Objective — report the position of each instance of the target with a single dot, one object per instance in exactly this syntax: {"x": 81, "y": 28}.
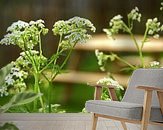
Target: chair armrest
{"x": 98, "y": 91}
{"x": 99, "y": 85}
{"x": 150, "y": 88}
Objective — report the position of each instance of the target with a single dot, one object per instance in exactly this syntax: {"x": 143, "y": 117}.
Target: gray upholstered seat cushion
{"x": 125, "y": 110}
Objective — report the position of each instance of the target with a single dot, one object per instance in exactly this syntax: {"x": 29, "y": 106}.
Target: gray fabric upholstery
{"x": 131, "y": 105}
{"x": 131, "y": 111}
{"x": 143, "y": 77}
{"x": 116, "y": 109}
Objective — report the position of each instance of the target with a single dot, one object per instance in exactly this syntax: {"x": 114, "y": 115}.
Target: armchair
{"x": 137, "y": 106}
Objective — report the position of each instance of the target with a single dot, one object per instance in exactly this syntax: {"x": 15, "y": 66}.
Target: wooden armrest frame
{"x": 159, "y": 93}
{"x": 150, "y": 88}
{"x": 98, "y": 91}
{"x": 148, "y": 99}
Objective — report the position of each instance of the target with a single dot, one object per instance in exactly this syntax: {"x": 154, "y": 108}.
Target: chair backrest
{"x": 143, "y": 77}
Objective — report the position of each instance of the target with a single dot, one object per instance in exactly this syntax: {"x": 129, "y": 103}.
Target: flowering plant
{"x": 32, "y": 62}
{"x": 152, "y": 28}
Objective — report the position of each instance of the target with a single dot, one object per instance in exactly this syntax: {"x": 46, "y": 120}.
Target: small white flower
{"x": 135, "y": 15}
{"x": 155, "y": 19}
{"x": 154, "y": 64}
{"x": 100, "y": 57}
{"x": 14, "y": 69}
{"x": 18, "y": 74}
{"x": 117, "y": 17}
{"x": 109, "y": 81}
{"x": 3, "y": 91}
{"x": 9, "y": 79}
{"x": 39, "y": 23}
{"x": 150, "y": 32}
{"x": 34, "y": 52}
{"x": 17, "y": 26}
{"x": 156, "y": 36}
{"x": 154, "y": 27}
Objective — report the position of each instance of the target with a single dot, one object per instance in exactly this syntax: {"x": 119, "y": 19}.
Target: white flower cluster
{"x": 154, "y": 27}
{"x": 109, "y": 81}
{"x": 102, "y": 59}
{"x": 25, "y": 61}
{"x": 23, "y": 34}
{"x": 14, "y": 33}
{"x": 61, "y": 27}
{"x": 155, "y": 64}
{"x": 115, "y": 24}
{"x": 14, "y": 75}
{"x": 40, "y": 23}
{"x": 161, "y": 8}
{"x": 17, "y": 26}
{"x": 82, "y": 22}
{"x": 135, "y": 15}
{"x": 10, "y": 38}
{"x": 3, "y": 91}
{"x": 9, "y": 80}
{"x": 72, "y": 31}
{"x": 16, "y": 79}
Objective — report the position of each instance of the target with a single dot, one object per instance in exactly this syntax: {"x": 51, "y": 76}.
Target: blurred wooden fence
{"x": 123, "y": 46}
{"x": 98, "y": 11}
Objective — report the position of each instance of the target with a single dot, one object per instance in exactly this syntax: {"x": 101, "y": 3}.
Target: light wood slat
{"x": 150, "y": 88}
{"x": 87, "y": 77}
{"x": 123, "y": 43}
{"x": 65, "y": 121}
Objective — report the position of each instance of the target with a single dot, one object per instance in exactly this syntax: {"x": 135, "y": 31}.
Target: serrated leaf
{"x": 24, "y": 98}
{"x": 8, "y": 126}
{"x": 20, "y": 99}
{"x": 4, "y": 72}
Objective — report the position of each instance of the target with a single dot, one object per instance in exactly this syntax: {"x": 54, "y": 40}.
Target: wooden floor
{"x": 74, "y": 121}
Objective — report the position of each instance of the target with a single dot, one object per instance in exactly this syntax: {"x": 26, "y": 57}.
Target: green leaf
{"x": 20, "y": 99}
{"x": 24, "y": 98}
{"x": 4, "y": 72}
{"x": 8, "y": 126}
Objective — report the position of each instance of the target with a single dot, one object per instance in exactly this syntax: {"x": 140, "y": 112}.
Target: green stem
{"x": 136, "y": 44}
{"x": 58, "y": 48}
{"x": 144, "y": 38}
{"x": 64, "y": 62}
{"x": 30, "y": 56}
{"x": 40, "y": 50}
{"x": 45, "y": 77}
{"x": 49, "y": 97}
{"x": 34, "y": 60}
{"x": 37, "y": 90}
{"x": 51, "y": 61}
{"x": 131, "y": 35}
{"x": 55, "y": 60}
{"x": 124, "y": 61}
{"x": 138, "y": 48}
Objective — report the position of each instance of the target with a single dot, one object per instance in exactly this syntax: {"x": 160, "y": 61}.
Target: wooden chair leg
{"x": 160, "y": 98}
{"x": 94, "y": 123}
{"x": 146, "y": 110}
{"x": 124, "y": 125}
